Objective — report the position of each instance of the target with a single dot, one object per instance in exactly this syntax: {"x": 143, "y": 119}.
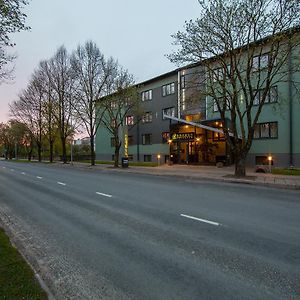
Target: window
{"x": 268, "y": 130}
{"x": 170, "y": 111}
{"x": 113, "y": 123}
{"x": 147, "y": 158}
{"x": 147, "y": 139}
{"x": 130, "y": 140}
{"x": 216, "y": 74}
{"x": 215, "y": 106}
{"x": 165, "y": 137}
{"x": 147, "y": 95}
{"x": 168, "y": 89}
{"x": 272, "y": 96}
{"x": 260, "y": 62}
{"x": 113, "y": 104}
{"x": 220, "y": 101}
{"x": 129, "y": 120}
{"x": 217, "y": 137}
{"x": 182, "y": 81}
{"x": 147, "y": 117}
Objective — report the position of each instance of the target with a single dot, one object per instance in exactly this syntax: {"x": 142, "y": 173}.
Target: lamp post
{"x": 169, "y": 142}
{"x": 270, "y": 158}
{"x": 158, "y": 160}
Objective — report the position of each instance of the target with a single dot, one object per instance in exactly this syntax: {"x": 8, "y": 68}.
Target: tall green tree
{"x": 246, "y": 48}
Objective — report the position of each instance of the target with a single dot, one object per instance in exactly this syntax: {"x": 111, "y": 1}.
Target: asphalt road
{"x": 114, "y": 235}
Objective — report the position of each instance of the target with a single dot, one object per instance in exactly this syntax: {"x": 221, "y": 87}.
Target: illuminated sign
{"x": 126, "y": 145}
{"x": 183, "y": 136}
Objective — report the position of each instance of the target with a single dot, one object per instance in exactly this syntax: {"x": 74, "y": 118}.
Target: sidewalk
{"x": 211, "y": 173}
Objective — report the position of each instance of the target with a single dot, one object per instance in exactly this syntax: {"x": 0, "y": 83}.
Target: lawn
{"x": 287, "y": 171}
{"x": 17, "y": 279}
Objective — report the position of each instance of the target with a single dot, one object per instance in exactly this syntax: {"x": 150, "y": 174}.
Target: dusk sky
{"x": 137, "y": 33}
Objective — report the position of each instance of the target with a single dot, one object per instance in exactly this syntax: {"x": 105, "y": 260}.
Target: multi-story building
{"x": 181, "y": 123}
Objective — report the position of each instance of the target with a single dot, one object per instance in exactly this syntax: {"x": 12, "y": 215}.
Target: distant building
{"x": 82, "y": 141}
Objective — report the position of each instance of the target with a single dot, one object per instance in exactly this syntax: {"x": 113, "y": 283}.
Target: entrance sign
{"x": 183, "y": 136}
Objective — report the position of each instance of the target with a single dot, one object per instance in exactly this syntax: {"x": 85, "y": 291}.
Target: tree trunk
{"x": 39, "y": 146}
{"x": 29, "y": 156}
{"x": 117, "y": 153}
{"x": 51, "y": 151}
{"x": 240, "y": 166}
{"x": 64, "y": 150}
{"x": 92, "y": 143}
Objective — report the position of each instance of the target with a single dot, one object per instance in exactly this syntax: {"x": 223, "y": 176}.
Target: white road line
{"x": 105, "y": 195}
{"x": 201, "y": 220}
{"x": 23, "y": 173}
{"x": 38, "y": 177}
{"x": 61, "y": 183}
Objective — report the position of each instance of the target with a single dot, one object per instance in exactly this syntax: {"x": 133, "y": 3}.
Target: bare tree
{"x": 61, "y": 79}
{"x": 246, "y": 48}
{"x": 28, "y": 110}
{"x": 12, "y": 19}
{"x": 91, "y": 71}
{"x": 49, "y": 107}
{"x": 121, "y": 101}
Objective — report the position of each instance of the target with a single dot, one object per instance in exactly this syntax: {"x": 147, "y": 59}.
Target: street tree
{"x": 121, "y": 100}
{"x": 61, "y": 80}
{"x": 28, "y": 110}
{"x": 5, "y": 140}
{"x": 91, "y": 71}
{"x": 245, "y": 47}
{"x": 12, "y": 19}
{"x": 49, "y": 107}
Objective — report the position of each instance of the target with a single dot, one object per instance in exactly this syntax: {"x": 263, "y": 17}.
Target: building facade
{"x": 181, "y": 123}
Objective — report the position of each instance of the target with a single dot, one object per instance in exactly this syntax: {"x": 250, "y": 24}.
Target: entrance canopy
{"x": 196, "y": 124}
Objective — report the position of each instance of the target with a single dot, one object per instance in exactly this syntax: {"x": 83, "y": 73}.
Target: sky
{"x": 135, "y": 32}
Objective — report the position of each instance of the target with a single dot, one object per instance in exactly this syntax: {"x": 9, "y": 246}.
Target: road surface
{"x": 114, "y": 235}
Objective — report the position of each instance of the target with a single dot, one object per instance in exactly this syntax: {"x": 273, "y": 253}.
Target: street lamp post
{"x": 158, "y": 160}
{"x": 169, "y": 142}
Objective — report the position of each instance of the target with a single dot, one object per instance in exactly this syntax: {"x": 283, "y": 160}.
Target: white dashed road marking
{"x": 61, "y": 183}
{"x": 23, "y": 173}
{"x": 201, "y": 220}
{"x": 38, "y": 177}
{"x": 105, "y": 195}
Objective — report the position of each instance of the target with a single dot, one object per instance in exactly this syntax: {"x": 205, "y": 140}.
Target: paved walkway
{"x": 224, "y": 174}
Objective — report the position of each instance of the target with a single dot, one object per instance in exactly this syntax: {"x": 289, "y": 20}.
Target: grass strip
{"x": 17, "y": 280}
{"x": 286, "y": 171}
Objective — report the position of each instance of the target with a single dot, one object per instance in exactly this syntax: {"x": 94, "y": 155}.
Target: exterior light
{"x": 169, "y": 141}
{"x": 186, "y": 126}
{"x": 270, "y": 158}
{"x": 197, "y": 139}
{"x": 158, "y": 156}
